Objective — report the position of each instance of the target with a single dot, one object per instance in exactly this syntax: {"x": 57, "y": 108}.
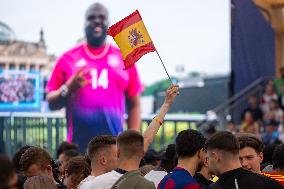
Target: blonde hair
{"x": 39, "y": 182}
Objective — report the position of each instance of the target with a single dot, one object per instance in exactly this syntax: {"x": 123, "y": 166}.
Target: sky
{"x": 192, "y": 33}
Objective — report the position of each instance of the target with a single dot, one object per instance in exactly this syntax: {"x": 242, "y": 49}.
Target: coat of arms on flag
{"x": 131, "y": 36}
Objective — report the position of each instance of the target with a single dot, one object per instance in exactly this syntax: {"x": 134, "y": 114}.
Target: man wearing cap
{"x": 90, "y": 82}
{"x": 166, "y": 165}
{"x": 270, "y": 136}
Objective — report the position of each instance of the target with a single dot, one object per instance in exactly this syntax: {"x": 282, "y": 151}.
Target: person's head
{"x": 17, "y": 157}
{"x": 222, "y": 152}
{"x": 36, "y": 161}
{"x": 169, "y": 158}
{"x": 251, "y": 152}
{"x": 248, "y": 118}
{"x": 77, "y": 169}
{"x": 282, "y": 72}
{"x": 278, "y": 158}
{"x": 269, "y": 89}
{"x": 190, "y": 145}
{"x": 42, "y": 182}
{"x": 8, "y": 176}
{"x": 270, "y": 126}
{"x": 96, "y": 24}
{"x": 268, "y": 153}
{"x": 64, "y": 146}
{"x": 64, "y": 157}
{"x": 252, "y": 100}
{"x": 103, "y": 153}
{"x": 151, "y": 157}
{"x": 273, "y": 104}
{"x": 130, "y": 145}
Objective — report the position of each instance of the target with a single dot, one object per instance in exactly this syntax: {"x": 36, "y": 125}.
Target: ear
{"x": 49, "y": 170}
{"x": 260, "y": 155}
{"x": 118, "y": 152}
{"x": 103, "y": 160}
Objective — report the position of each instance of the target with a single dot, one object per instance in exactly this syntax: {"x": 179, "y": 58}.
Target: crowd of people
{"x": 222, "y": 160}
{"x": 264, "y": 115}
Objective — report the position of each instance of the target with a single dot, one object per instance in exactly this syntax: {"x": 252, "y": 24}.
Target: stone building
{"x": 22, "y": 55}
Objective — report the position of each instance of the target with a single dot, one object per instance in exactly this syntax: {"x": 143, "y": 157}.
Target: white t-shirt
{"x": 155, "y": 176}
{"x": 84, "y": 184}
{"x": 104, "y": 181}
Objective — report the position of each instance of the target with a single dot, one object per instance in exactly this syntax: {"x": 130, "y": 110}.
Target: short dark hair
{"x": 65, "y": 146}
{"x": 250, "y": 140}
{"x": 78, "y": 168}
{"x": 17, "y": 157}
{"x": 7, "y": 171}
{"x": 224, "y": 141}
{"x": 268, "y": 153}
{"x": 71, "y": 153}
{"x": 188, "y": 142}
{"x": 35, "y": 155}
{"x": 278, "y": 157}
{"x": 130, "y": 143}
{"x": 98, "y": 143}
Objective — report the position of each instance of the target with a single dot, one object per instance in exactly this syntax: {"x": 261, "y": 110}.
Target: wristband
{"x": 158, "y": 120}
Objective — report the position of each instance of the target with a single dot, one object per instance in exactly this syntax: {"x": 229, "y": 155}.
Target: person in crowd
{"x": 190, "y": 153}
{"x": 64, "y": 158}
{"x": 249, "y": 125}
{"x": 278, "y": 164}
{"x": 279, "y": 82}
{"x": 77, "y": 169}
{"x": 267, "y": 165}
{"x": 223, "y": 160}
{"x": 90, "y": 81}
{"x": 253, "y": 107}
{"x": 281, "y": 98}
{"x": 103, "y": 155}
{"x": 266, "y": 98}
{"x": 204, "y": 176}
{"x": 129, "y": 153}
{"x": 8, "y": 176}
{"x": 37, "y": 161}
{"x": 251, "y": 152}
{"x": 275, "y": 112}
{"x": 16, "y": 161}
{"x": 232, "y": 127}
{"x": 64, "y": 146}
{"x": 145, "y": 169}
{"x": 151, "y": 157}
{"x": 167, "y": 164}
{"x": 39, "y": 182}
{"x": 270, "y": 135}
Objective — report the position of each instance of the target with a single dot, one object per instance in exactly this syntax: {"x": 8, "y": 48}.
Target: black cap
{"x": 169, "y": 154}
{"x": 271, "y": 122}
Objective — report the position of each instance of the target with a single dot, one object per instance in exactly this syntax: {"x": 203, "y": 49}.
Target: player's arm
{"x": 57, "y": 98}
{"x": 134, "y": 119}
{"x": 155, "y": 124}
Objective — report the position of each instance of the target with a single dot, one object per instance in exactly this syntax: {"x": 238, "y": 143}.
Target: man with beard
{"x": 190, "y": 152}
{"x": 223, "y": 159}
{"x": 90, "y": 81}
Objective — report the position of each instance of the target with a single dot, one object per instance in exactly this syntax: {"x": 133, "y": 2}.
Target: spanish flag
{"x": 131, "y": 36}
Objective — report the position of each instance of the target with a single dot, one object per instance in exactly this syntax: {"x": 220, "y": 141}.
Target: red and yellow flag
{"x": 131, "y": 36}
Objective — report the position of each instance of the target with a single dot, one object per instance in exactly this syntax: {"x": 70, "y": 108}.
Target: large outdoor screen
{"x": 19, "y": 91}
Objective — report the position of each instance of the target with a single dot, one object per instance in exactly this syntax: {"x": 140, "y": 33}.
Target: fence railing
{"x": 48, "y": 130}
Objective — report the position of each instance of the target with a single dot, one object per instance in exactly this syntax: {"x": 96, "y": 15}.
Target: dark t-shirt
{"x": 202, "y": 181}
{"x": 243, "y": 179}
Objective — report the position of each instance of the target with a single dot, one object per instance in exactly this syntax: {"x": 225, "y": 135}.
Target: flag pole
{"x": 164, "y": 66}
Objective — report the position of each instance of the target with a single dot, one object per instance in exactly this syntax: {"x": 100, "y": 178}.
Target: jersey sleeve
{"x": 57, "y": 77}
{"x": 135, "y": 86}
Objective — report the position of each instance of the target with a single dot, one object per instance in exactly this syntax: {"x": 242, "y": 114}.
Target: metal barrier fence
{"x": 48, "y": 130}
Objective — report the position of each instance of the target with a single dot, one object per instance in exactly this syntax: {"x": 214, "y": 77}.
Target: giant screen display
{"x": 19, "y": 91}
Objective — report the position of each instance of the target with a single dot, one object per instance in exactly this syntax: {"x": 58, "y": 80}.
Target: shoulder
{"x": 73, "y": 52}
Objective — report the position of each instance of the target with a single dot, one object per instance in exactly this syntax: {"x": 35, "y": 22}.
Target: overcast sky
{"x": 193, "y": 33}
